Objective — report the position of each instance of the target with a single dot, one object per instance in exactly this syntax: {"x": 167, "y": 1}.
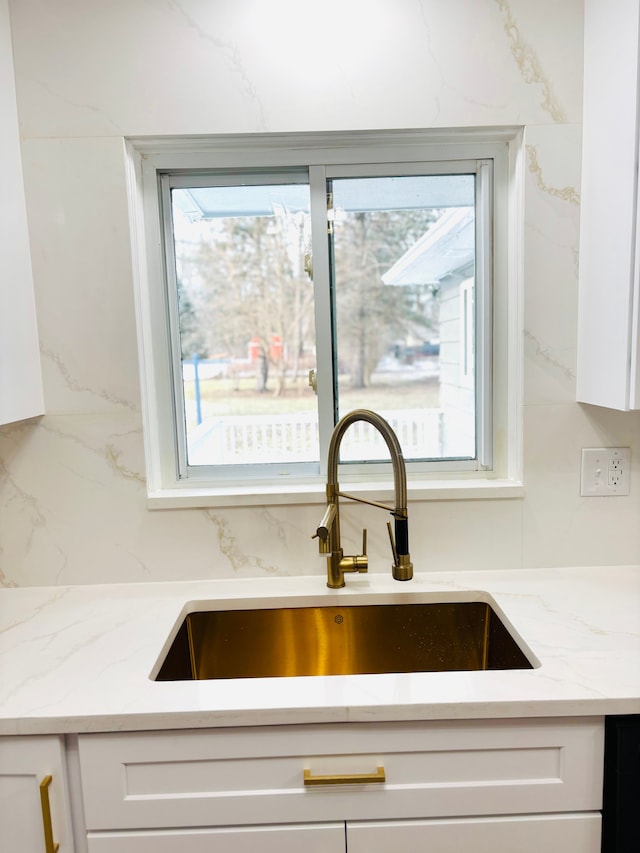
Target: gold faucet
{"x": 328, "y": 531}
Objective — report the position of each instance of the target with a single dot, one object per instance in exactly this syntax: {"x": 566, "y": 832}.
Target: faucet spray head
{"x": 402, "y": 568}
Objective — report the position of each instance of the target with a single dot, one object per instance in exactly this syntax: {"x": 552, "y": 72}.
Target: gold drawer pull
{"x": 345, "y": 778}
{"x": 49, "y": 844}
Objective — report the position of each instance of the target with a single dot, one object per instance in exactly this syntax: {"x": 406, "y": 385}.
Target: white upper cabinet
{"x": 609, "y": 314}
{"x": 20, "y": 373}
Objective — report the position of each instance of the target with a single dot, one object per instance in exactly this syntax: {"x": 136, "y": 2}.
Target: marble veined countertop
{"x": 79, "y": 659}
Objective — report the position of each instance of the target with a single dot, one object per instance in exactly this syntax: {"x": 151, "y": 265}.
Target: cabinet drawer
{"x": 551, "y": 833}
{"x": 255, "y": 775}
{"x": 311, "y": 838}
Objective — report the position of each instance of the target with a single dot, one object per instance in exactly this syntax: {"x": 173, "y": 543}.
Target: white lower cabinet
{"x": 34, "y": 801}
{"x": 503, "y": 785}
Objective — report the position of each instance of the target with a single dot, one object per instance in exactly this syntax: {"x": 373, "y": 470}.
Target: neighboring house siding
{"x": 457, "y": 398}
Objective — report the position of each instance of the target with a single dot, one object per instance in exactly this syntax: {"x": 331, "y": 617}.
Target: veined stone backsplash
{"x": 72, "y": 484}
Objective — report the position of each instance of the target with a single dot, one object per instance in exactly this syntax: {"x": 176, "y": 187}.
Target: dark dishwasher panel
{"x": 621, "y": 805}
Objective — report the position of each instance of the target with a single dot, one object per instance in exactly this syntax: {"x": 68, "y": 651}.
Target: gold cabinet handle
{"x": 345, "y": 778}
{"x": 49, "y": 844}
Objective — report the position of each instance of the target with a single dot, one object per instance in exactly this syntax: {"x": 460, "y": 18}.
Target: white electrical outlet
{"x": 605, "y": 471}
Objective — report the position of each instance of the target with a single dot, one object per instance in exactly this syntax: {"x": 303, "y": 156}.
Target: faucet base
{"x": 337, "y": 565}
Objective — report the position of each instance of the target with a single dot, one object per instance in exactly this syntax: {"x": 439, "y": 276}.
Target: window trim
{"x": 146, "y": 157}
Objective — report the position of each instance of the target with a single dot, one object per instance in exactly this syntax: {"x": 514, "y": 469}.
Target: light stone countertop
{"x": 78, "y": 659}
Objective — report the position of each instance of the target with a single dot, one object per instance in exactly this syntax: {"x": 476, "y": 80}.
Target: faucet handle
{"x": 364, "y": 541}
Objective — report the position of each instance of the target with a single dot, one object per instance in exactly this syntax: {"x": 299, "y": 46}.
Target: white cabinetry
{"x": 609, "y": 308}
{"x": 32, "y": 775}
{"x": 446, "y": 781}
{"x": 311, "y": 838}
{"x": 548, "y": 833}
{"x": 20, "y": 372}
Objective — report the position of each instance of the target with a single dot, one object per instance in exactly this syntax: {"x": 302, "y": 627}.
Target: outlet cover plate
{"x": 605, "y": 471}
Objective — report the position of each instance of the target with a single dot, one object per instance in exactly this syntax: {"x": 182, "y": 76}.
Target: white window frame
{"x": 333, "y": 155}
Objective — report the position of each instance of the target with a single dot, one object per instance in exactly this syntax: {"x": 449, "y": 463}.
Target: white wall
{"x": 72, "y": 492}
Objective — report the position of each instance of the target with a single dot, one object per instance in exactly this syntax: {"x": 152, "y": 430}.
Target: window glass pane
{"x": 403, "y": 270}
{"x": 245, "y": 305}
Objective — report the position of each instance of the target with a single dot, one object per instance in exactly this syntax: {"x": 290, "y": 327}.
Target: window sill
{"x": 314, "y": 493}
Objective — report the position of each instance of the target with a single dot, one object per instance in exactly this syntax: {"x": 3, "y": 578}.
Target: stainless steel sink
{"x": 342, "y": 640}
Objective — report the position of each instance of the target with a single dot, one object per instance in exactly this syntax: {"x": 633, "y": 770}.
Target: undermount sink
{"x": 340, "y": 640}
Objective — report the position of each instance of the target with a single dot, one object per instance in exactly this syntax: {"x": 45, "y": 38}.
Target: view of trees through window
{"x": 244, "y": 275}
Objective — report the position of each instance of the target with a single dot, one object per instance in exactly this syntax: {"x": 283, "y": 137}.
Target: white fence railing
{"x": 254, "y": 439}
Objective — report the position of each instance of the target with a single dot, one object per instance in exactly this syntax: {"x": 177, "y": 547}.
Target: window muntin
{"x": 239, "y": 248}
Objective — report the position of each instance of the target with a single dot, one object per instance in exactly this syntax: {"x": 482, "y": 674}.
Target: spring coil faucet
{"x": 328, "y": 531}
